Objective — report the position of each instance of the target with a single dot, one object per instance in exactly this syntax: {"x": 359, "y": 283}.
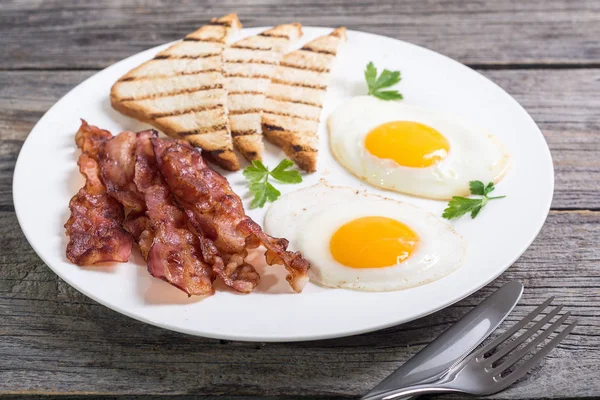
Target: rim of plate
{"x": 545, "y": 207}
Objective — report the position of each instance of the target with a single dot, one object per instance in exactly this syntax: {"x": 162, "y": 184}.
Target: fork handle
{"x": 414, "y": 390}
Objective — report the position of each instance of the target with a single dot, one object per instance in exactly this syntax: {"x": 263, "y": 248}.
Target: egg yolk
{"x": 372, "y": 242}
{"x": 409, "y": 143}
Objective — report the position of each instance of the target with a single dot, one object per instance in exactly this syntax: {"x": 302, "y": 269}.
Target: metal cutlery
{"x": 434, "y": 360}
{"x": 496, "y": 366}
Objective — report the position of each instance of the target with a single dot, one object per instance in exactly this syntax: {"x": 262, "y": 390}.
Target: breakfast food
{"x": 294, "y": 100}
{"x": 189, "y": 224}
{"x": 365, "y": 242}
{"x": 174, "y": 254}
{"x": 191, "y": 227}
{"x": 248, "y": 66}
{"x": 412, "y": 150}
{"x": 182, "y": 91}
{"x": 94, "y": 227}
{"x": 215, "y": 210}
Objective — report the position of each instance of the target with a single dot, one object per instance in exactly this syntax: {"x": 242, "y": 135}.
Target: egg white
{"x": 309, "y": 217}
{"x": 474, "y": 154}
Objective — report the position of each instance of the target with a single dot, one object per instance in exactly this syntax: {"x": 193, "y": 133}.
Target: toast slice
{"x": 292, "y": 107}
{"x": 182, "y": 91}
{"x": 249, "y": 65}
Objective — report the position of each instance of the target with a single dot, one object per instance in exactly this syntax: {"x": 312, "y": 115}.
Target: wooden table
{"x": 56, "y": 342}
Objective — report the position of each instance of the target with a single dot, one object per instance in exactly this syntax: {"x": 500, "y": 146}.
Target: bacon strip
{"x": 117, "y": 162}
{"x": 175, "y": 253}
{"x": 138, "y": 226}
{"x": 188, "y": 248}
{"x": 94, "y": 227}
{"x": 117, "y": 157}
{"x": 90, "y": 139}
{"x": 217, "y": 212}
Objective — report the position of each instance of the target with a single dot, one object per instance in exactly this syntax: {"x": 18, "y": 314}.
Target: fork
{"x": 483, "y": 372}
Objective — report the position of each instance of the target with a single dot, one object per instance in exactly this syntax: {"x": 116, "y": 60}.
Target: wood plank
{"x": 565, "y": 103}
{"x": 53, "y": 340}
{"x": 94, "y": 34}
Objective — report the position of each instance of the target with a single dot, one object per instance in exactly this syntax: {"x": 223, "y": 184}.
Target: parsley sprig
{"x": 459, "y": 206}
{"x": 258, "y": 176}
{"x": 385, "y": 80}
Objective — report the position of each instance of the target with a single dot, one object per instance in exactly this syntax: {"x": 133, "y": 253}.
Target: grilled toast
{"x": 292, "y": 107}
{"x": 248, "y": 66}
{"x": 182, "y": 91}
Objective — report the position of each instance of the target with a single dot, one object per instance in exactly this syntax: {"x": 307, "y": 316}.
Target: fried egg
{"x": 412, "y": 150}
{"x": 363, "y": 241}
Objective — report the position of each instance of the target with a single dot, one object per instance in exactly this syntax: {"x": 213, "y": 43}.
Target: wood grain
{"x": 55, "y": 340}
{"x": 91, "y": 34}
{"x": 565, "y": 104}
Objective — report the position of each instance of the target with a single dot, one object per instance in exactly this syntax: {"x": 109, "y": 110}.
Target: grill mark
{"x": 216, "y": 152}
{"x": 150, "y": 77}
{"x": 270, "y": 127}
{"x": 308, "y": 103}
{"x": 186, "y": 111}
{"x": 226, "y": 24}
{"x": 308, "y": 68}
{"x": 176, "y": 57}
{"x": 241, "y": 112}
{"x": 249, "y": 62}
{"x": 248, "y": 132}
{"x": 245, "y": 92}
{"x": 175, "y": 94}
{"x": 182, "y": 91}
{"x": 331, "y": 53}
{"x": 265, "y": 34}
{"x": 240, "y": 75}
{"x": 297, "y": 84}
{"x": 249, "y": 47}
{"x": 192, "y": 39}
{"x": 287, "y": 114}
{"x": 297, "y": 148}
{"x": 204, "y": 131}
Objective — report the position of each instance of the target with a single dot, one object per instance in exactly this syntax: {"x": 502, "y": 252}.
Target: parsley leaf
{"x": 460, "y": 206}
{"x": 477, "y": 187}
{"x": 280, "y": 173}
{"x": 385, "y": 80}
{"x": 272, "y": 193}
{"x": 256, "y": 171}
{"x": 371, "y": 75}
{"x": 259, "y": 190}
{"x": 258, "y": 176}
{"x": 388, "y": 78}
{"x": 389, "y": 95}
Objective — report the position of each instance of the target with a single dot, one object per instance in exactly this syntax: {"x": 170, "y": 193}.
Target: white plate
{"x": 46, "y": 177}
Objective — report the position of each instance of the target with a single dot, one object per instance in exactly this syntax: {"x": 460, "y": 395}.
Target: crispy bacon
{"x": 117, "y": 155}
{"x": 217, "y": 212}
{"x": 188, "y": 248}
{"x": 138, "y": 226}
{"x": 117, "y": 162}
{"x": 94, "y": 227}
{"x": 90, "y": 139}
{"x": 175, "y": 253}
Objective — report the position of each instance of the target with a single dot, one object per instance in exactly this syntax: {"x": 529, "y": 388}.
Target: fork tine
{"x": 524, "y": 336}
{"x": 536, "y": 359}
{"x": 515, "y": 328}
{"x": 532, "y": 345}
